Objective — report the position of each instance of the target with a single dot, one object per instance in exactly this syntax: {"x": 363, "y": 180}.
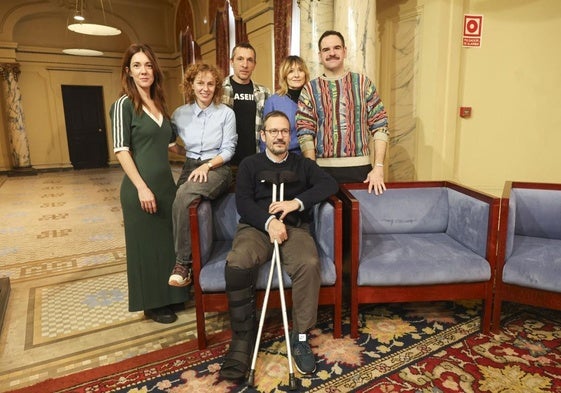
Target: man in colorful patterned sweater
{"x": 337, "y": 115}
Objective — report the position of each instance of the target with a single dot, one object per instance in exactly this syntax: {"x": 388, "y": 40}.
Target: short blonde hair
{"x": 284, "y": 68}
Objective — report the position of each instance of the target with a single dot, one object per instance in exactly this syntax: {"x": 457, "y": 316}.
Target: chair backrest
{"x": 323, "y": 228}
{"x": 425, "y": 210}
{"x": 537, "y": 213}
{"x": 403, "y": 210}
{"x": 222, "y": 226}
{"x": 466, "y": 216}
{"x": 225, "y": 217}
{"x": 534, "y": 213}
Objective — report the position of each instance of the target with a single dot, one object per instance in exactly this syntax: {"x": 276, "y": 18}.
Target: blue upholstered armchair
{"x": 213, "y": 226}
{"x": 421, "y": 241}
{"x": 529, "y": 250}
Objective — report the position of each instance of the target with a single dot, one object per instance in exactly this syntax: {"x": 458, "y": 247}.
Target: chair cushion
{"x": 418, "y": 259}
{"x": 535, "y": 262}
{"x": 212, "y": 279}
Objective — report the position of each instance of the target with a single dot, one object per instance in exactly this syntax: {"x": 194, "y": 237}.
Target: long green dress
{"x": 148, "y": 237}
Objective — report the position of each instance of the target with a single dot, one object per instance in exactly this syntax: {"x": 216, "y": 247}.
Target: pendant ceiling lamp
{"x": 83, "y": 26}
{"x": 79, "y": 12}
{"x": 93, "y": 29}
{"x": 82, "y": 52}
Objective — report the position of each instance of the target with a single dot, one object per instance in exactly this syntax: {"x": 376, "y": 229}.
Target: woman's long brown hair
{"x": 129, "y": 87}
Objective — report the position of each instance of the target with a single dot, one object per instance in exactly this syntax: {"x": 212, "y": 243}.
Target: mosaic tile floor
{"x": 62, "y": 246}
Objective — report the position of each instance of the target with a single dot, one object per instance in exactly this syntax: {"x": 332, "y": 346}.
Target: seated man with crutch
{"x": 264, "y": 220}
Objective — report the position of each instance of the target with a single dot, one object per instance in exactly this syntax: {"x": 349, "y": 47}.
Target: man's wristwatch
{"x": 209, "y": 165}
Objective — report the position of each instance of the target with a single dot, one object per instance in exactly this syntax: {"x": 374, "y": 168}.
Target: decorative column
{"x": 19, "y": 146}
{"x": 316, "y": 16}
{"x": 356, "y": 20}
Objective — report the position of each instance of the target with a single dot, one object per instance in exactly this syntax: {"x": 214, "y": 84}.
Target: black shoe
{"x": 161, "y": 315}
{"x": 176, "y": 307}
{"x": 302, "y": 353}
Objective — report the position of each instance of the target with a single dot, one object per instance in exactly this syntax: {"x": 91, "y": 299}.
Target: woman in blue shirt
{"x": 293, "y": 75}
{"x": 208, "y": 130}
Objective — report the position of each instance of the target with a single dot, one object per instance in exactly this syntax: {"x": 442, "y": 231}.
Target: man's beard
{"x": 278, "y": 149}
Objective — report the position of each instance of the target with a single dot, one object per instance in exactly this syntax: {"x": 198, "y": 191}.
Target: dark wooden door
{"x": 85, "y": 126}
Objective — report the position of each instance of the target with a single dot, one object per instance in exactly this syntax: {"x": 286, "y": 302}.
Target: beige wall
{"x": 511, "y": 82}
{"x": 44, "y": 112}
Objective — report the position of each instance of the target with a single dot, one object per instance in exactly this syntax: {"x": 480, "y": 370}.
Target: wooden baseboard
{"x": 4, "y": 295}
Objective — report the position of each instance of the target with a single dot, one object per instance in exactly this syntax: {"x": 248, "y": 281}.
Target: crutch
{"x": 276, "y": 179}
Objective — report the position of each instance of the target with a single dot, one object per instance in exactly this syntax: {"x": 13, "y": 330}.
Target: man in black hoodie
{"x": 261, "y": 223}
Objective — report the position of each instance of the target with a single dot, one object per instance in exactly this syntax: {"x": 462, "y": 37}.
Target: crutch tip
{"x": 251, "y": 378}
{"x": 291, "y": 382}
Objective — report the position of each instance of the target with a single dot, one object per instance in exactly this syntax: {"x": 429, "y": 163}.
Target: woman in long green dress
{"x": 142, "y": 135}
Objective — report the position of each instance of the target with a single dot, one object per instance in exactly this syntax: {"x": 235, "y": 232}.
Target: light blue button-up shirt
{"x": 207, "y": 132}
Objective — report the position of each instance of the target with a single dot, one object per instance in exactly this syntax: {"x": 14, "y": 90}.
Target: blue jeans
{"x": 218, "y": 183}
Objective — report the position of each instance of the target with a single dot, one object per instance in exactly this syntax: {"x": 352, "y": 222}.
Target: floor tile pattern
{"x": 62, "y": 246}
{"x": 81, "y": 306}
{"x": 50, "y": 215}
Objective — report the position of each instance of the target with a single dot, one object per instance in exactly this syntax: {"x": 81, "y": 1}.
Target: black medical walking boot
{"x": 240, "y": 289}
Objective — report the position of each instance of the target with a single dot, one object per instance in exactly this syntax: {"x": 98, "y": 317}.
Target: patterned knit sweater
{"x": 339, "y": 115}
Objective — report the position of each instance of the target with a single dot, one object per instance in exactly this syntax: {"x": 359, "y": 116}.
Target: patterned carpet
{"x": 62, "y": 246}
{"x": 414, "y": 347}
